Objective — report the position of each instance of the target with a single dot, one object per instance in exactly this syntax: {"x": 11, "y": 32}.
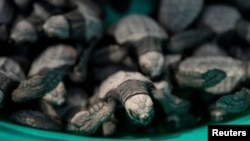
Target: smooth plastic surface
{"x": 10, "y": 131}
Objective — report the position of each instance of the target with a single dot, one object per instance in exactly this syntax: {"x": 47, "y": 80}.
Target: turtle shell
{"x": 11, "y": 69}
{"x": 113, "y": 81}
{"x": 93, "y": 24}
{"x": 53, "y": 57}
{"x": 195, "y": 66}
{"x": 135, "y": 27}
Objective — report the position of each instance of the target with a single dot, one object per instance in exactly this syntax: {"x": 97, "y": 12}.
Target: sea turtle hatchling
{"x": 145, "y": 37}
{"x": 46, "y": 72}
{"x": 77, "y": 24}
{"x": 213, "y": 74}
{"x": 130, "y": 90}
{"x": 10, "y": 73}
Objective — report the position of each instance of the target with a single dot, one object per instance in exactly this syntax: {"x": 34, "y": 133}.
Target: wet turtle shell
{"x": 190, "y": 73}
{"x": 135, "y": 27}
{"x": 53, "y": 57}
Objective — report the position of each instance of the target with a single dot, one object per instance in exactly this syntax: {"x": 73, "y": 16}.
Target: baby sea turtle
{"x": 10, "y": 73}
{"x": 177, "y": 15}
{"x": 78, "y": 24}
{"x": 29, "y": 29}
{"x": 212, "y": 74}
{"x": 129, "y": 89}
{"x": 145, "y": 37}
{"x": 26, "y": 30}
{"x": 46, "y": 72}
{"x": 221, "y": 18}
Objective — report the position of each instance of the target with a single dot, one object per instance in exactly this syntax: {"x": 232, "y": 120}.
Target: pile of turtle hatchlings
{"x": 184, "y": 65}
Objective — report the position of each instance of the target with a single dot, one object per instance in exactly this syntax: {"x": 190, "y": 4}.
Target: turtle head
{"x": 56, "y": 27}
{"x": 140, "y": 108}
{"x": 151, "y": 63}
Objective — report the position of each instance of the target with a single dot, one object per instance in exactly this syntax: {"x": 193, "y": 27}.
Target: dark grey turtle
{"x": 188, "y": 39}
{"x": 209, "y": 49}
{"x": 26, "y": 31}
{"x": 213, "y": 74}
{"x": 131, "y": 89}
{"x": 220, "y": 17}
{"x": 35, "y": 119}
{"x": 46, "y": 72}
{"x": 176, "y": 15}
{"x": 146, "y": 38}
{"x": 81, "y": 23}
{"x": 10, "y": 74}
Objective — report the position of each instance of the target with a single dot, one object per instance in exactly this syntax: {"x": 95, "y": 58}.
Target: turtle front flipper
{"x": 38, "y": 85}
{"x": 235, "y": 103}
{"x": 213, "y": 77}
{"x": 86, "y": 122}
{"x": 205, "y": 80}
{"x": 170, "y": 103}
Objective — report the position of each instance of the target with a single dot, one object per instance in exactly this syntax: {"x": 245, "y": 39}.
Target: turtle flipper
{"x": 109, "y": 127}
{"x": 170, "y": 103}
{"x": 234, "y": 103}
{"x": 213, "y": 77}
{"x": 86, "y": 122}
{"x": 38, "y": 85}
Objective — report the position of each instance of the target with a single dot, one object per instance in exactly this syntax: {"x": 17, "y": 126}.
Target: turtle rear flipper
{"x": 213, "y": 77}
{"x": 38, "y": 85}
{"x": 86, "y": 122}
{"x": 235, "y": 103}
{"x": 109, "y": 127}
